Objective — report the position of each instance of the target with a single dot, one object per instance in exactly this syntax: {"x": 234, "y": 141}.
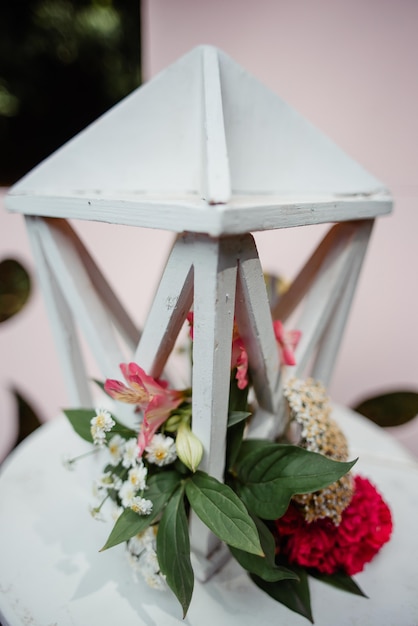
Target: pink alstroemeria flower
{"x": 150, "y": 395}
{"x": 287, "y": 340}
{"x": 239, "y": 357}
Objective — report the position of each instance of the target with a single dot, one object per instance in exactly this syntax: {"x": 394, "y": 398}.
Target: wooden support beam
{"x": 62, "y": 322}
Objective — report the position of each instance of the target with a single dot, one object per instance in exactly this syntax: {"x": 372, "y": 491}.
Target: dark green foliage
{"x": 263, "y": 566}
{"x": 223, "y": 512}
{"x": 173, "y": 549}
{"x": 62, "y": 64}
{"x": 294, "y": 594}
{"x": 15, "y": 287}
{"x": 28, "y": 419}
{"x": 339, "y": 580}
{"x": 390, "y": 409}
{"x": 269, "y": 474}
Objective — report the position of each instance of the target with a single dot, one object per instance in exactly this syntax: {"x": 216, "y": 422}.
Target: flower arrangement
{"x": 285, "y": 510}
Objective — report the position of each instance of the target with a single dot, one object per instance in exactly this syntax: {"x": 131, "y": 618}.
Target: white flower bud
{"x": 188, "y": 446}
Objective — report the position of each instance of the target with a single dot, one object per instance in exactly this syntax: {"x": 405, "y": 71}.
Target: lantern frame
{"x": 206, "y": 151}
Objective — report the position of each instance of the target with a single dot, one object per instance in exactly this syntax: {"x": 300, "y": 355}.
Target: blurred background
{"x": 348, "y": 67}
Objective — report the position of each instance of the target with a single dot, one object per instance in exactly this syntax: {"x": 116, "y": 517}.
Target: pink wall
{"x": 28, "y": 359}
{"x": 349, "y": 67}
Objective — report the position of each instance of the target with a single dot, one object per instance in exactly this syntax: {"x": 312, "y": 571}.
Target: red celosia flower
{"x": 365, "y": 527}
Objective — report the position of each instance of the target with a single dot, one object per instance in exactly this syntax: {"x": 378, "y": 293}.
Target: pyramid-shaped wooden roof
{"x": 202, "y": 147}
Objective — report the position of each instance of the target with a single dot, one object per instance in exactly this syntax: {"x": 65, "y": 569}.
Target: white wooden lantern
{"x": 208, "y": 152}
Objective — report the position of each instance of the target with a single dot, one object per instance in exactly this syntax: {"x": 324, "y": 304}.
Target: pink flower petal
{"x": 288, "y": 341}
{"x": 119, "y": 391}
{"x": 152, "y": 396}
{"x": 242, "y": 370}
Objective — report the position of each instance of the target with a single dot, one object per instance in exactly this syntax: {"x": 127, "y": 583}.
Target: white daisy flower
{"x": 161, "y": 450}
{"x": 143, "y": 557}
{"x": 116, "y": 447}
{"x": 141, "y": 505}
{"x": 101, "y": 424}
{"x": 104, "y": 482}
{"x": 117, "y": 482}
{"x": 135, "y": 546}
{"x": 117, "y": 512}
{"x": 96, "y": 513}
{"x": 155, "y": 581}
{"x": 97, "y": 490}
{"x": 143, "y": 540}
{"x": 127, "y": 493}
{"x": 130, "y": 455}
{"x": 134, "y": 563}
{"x": 149, "y": 561}
{"x": 137, "y": 476}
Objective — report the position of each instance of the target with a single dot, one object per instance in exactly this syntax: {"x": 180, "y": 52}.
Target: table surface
{"x": 52, "y": 574}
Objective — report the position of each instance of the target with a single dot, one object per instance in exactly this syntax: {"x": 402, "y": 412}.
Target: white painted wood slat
{"x": 62, "y": 322}
{"x": 82, "y": 298}
{"x": 319, "y": 304}
{"x": 216, "y": 176}
{"x": 255, "y": 324}
{"x": 214, "y": 305}
{"x": 119, "y": 316}
{"x": 171, "y": 304}
{"x": 330, "y": 341}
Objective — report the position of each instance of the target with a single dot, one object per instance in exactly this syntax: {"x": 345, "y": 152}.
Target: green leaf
{"x": 234, "y": 445}
{"x": 173, "y": 550}
{"x": 15, "y": 287}
{"x": 235, "y": 417}
{"x": 263, "y": 566}
{"x": 390, "y": 409}
{"x": 129, "y": 524}
{"x": 80, "y": 421}
{"x": 267, "y": 540}
{"x": 28, "y": 419}
{"x": 236, "y": 420}
{"x": 237, "y": 397}
{"x": 340, "y": 580}
{"x": 123, "y": 431}
{"x": 292, "y": 593}
{"x": 234, "y": 437}
{"x": 270, "y": 475}
{"x": 100, "y": 384}
{"x": 223, "y": 512}
{"x": 251, "y": 445}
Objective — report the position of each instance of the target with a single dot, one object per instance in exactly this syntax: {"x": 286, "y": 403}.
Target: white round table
{"x": 52, "y": 574}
